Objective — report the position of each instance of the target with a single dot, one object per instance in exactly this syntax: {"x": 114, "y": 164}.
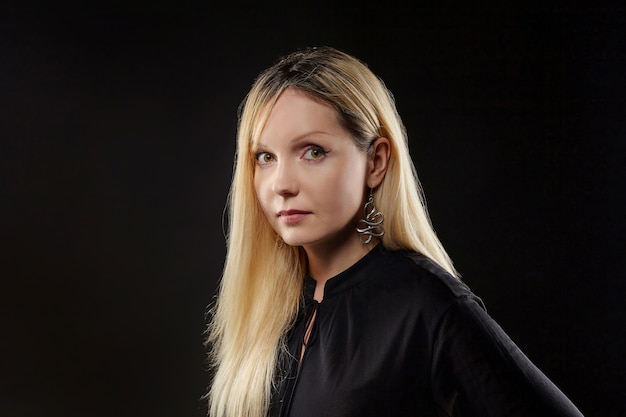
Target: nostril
{"x": 285, "y": 183}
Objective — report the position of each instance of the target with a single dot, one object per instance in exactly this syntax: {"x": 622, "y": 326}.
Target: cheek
{"x": 348, "y": 190}
{"x": 257, "y": 186}
{"x": 260, "y": 192}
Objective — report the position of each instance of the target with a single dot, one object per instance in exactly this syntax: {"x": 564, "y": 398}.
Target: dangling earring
{"x": 372, "y": 222}
{"x": 279, "y": 241}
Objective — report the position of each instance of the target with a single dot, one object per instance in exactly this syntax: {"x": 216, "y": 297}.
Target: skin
{"x": 311, "y": 181}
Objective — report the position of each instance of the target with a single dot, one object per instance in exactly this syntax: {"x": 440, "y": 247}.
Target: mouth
{"x": 292, "y": 216}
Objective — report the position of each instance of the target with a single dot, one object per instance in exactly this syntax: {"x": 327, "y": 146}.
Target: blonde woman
{"x": 337, "y": 298}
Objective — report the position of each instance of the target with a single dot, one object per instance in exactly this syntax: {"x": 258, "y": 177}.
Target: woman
{"x": 337, "y": 298}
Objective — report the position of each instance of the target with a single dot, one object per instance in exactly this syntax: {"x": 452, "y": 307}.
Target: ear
{"x": 378, "y": 162}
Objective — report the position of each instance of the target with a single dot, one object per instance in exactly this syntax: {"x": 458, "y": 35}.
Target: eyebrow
{"x": 296, "y": 140}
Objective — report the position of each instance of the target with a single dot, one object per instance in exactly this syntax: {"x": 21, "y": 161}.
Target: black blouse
{"x": 396, "y": 335}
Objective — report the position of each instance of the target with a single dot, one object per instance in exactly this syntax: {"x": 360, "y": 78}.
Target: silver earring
{"x": 372, "y": 223}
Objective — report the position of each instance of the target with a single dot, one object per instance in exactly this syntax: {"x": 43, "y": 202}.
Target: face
{"x": 309, "y": 175}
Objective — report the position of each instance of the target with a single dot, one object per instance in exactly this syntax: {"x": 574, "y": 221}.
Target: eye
{"x": 315, "y": 152}
{"x": 264, "y": 158}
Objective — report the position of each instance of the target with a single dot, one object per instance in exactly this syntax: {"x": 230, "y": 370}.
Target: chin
{"x": 295, "y": 240}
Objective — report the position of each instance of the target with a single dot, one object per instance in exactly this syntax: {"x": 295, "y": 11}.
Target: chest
{"x": 361, "y": 359}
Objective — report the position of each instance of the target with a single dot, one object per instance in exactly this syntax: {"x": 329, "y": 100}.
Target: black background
{"x": 118, "y": 123}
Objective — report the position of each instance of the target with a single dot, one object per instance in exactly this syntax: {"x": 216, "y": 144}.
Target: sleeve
{"x": 477, "y": 370}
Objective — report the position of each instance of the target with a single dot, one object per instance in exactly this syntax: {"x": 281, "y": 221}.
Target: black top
{"x": 396, "y": 335}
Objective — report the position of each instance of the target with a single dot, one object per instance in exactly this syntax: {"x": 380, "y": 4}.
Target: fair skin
{"x": 311, "y": 179}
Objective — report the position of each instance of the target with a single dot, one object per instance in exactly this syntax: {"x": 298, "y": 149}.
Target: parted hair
{"x": 260, "y": 291}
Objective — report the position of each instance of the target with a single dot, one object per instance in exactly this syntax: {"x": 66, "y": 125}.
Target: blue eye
{"x": 315, "y": 152}
{"x": 264, "y": 158}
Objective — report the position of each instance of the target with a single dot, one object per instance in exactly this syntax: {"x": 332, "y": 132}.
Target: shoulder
{"x": 417, "y": 279}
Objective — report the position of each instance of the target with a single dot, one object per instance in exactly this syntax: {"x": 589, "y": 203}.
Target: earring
{"x": 279, "y": 241}
{"x": 372, "y": 222}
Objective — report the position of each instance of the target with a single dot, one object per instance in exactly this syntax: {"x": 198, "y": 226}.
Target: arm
{"x": 477, "y": 370}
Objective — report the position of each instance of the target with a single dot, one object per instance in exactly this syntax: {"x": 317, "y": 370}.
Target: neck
{"x": 327, "y": 260}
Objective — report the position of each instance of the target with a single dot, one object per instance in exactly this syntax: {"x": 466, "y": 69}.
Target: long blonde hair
{"x": 260, "y": 290}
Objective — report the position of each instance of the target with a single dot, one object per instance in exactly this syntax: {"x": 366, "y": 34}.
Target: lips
{"x": 292, "y": 216}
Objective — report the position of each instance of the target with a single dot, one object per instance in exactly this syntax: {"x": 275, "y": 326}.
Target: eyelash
{"x": 323, "y": 152}
{"x": 259, "y": 155}
{"x": 319, "y": 149}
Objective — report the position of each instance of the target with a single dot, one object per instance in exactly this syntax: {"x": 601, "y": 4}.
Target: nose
{"x": 285, "y": 181}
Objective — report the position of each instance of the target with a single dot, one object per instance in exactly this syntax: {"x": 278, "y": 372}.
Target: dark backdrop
{"x": 118, "y": 127}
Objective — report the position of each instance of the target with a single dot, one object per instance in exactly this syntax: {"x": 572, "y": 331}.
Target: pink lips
{"x": 292, "y": 216}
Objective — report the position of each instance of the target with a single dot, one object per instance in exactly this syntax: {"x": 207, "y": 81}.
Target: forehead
{"x": 293, "y": 113}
